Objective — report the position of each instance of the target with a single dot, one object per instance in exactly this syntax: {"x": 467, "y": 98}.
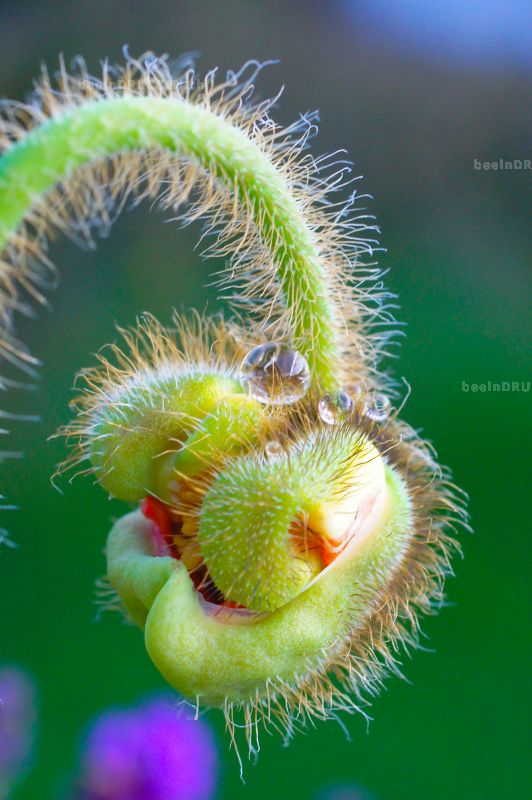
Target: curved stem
{"x": 79, "y": 136}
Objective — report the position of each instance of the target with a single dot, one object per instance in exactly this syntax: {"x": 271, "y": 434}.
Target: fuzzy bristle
{"x": 86, "y": 202}
{"x": 128, "y": 377}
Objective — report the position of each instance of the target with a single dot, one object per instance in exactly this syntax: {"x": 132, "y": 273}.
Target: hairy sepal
{"x": 254, "y": 529}
{"x": 155, "y": 413}
{"x": 215, "y": 655}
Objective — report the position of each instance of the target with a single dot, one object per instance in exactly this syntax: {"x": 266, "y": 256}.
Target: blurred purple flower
{"x": 154, "y": 752}
{"x": 17, "y": 718}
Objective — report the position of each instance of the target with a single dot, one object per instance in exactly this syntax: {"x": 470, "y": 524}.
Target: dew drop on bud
{"x": 275, "y": 374}
{"x": 335, "y": 407}
{"x": 273, "y": 449}
{"x": 378, "y": 408}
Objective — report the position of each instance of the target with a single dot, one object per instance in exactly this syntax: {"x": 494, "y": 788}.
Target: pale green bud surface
{"x": 217, "y": 655}
{"x": 146, "y": 420}
{"x": 253, "y": 528}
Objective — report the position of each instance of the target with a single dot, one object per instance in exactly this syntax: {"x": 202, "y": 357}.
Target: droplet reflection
{"x": 275, "y": 374}
{"x": 335, "y": 407}
{"x": 378, "y": 408}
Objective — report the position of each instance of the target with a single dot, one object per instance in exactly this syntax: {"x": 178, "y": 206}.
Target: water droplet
{"x": 378, "y": 408}
{"x": 273, "y": 449}
{"x": 275, "y": 374}
{"x": 335, "y": 407}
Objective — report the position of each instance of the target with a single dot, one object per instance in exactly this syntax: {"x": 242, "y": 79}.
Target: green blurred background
{"x": 413, "y": 112}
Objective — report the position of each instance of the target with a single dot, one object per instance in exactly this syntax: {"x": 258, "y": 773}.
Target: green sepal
{"x": 231, "y": 657}
{"x": 252, "y": 530}
{"x": 235, "y": 420}
{"x": 147, "y": 419}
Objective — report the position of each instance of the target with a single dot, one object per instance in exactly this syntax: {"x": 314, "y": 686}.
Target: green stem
{"x": 52, "y": 151}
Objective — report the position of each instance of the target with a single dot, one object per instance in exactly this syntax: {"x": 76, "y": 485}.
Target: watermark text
{"x": 500, "y": 386}
{"x": 503, "y": 164}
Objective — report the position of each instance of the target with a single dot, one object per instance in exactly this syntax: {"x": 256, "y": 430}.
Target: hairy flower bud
{"x": 291, "y": 528}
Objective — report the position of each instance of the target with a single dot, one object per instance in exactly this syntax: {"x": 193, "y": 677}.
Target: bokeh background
{"x": 415, "y": 92}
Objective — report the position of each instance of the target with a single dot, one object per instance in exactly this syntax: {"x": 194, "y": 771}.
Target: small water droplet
{"x": 378, "y": 408}
{"x": 273, "y": 449}
{"x": 275, "y": 374}
{"x": 335, "y": 407}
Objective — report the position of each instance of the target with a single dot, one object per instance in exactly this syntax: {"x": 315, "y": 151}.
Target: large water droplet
{"x": 378, "y": 408}
{"x": 335, "y": 407}
{"x": 275, "y": 374}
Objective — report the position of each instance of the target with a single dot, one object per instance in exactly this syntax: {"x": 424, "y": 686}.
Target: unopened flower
{"x": 289, "y": 529}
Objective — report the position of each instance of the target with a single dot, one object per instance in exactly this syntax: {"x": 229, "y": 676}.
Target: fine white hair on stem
{"x": 85, "y": 201}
